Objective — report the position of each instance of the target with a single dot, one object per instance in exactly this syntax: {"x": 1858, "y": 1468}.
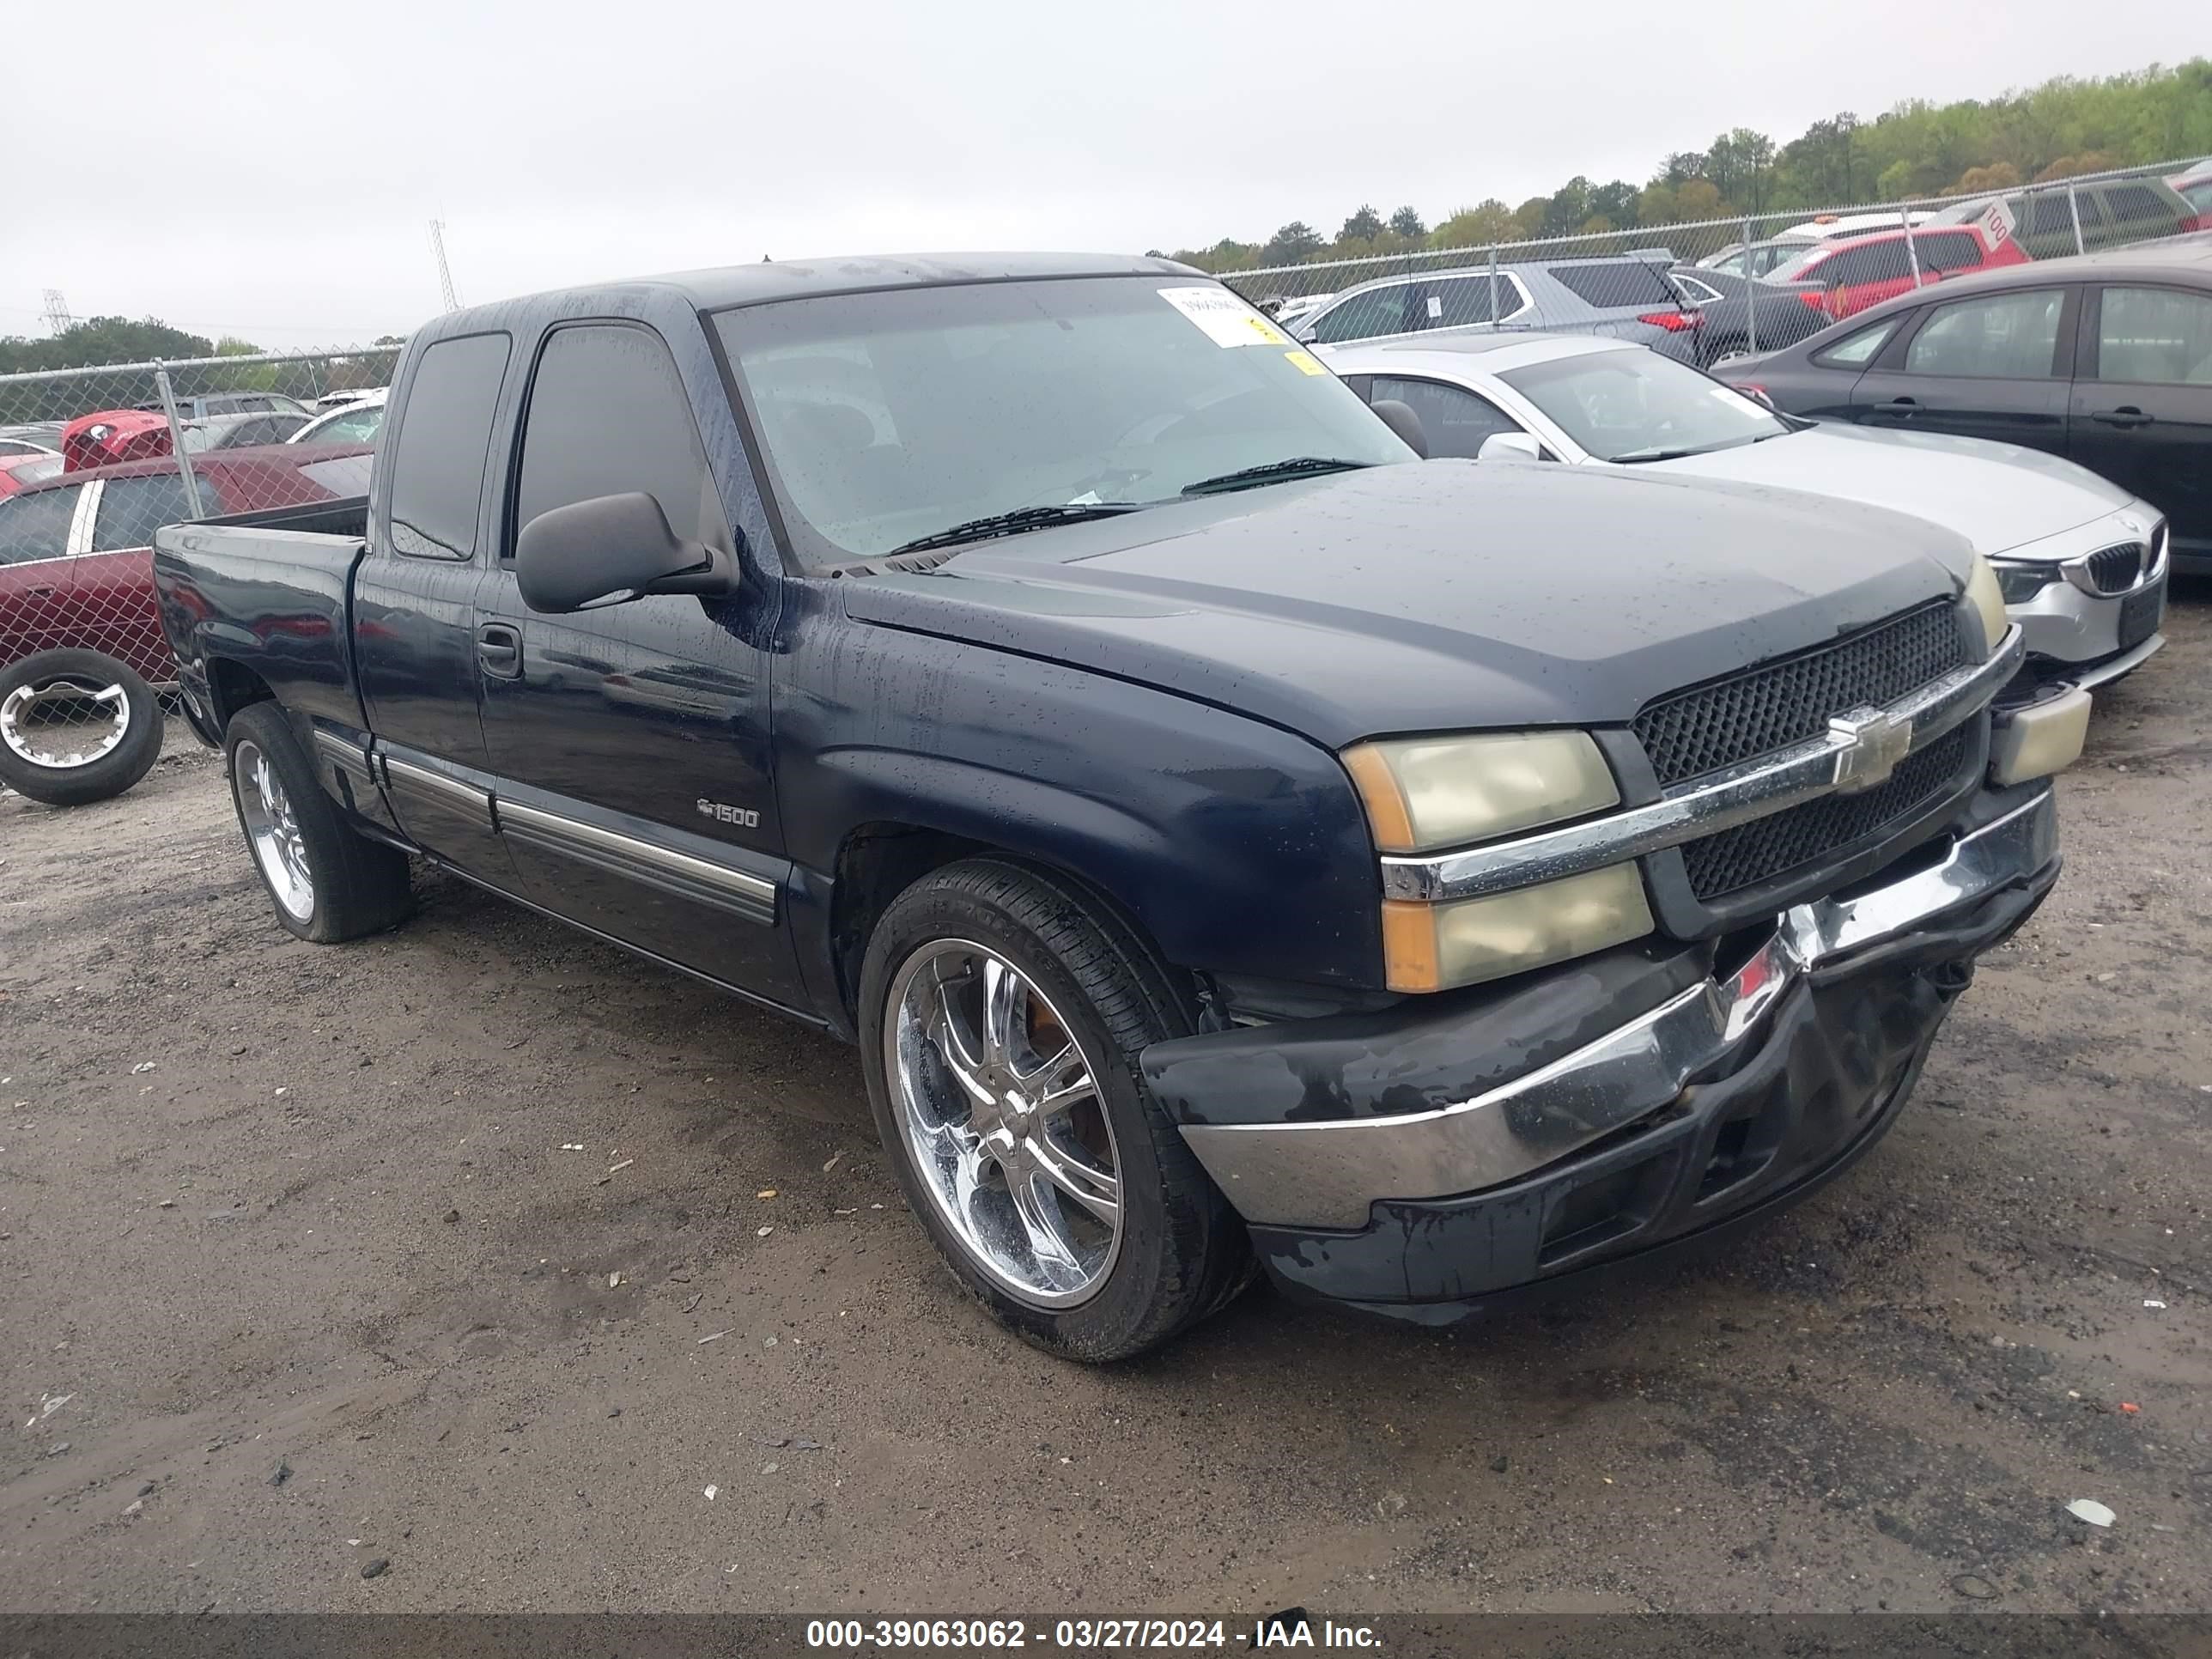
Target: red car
{"x": 75, "y": 558}
{"x": 112, "y": 435}
{"x": 1858, "y": 271}
{"x": 19, "y": 473}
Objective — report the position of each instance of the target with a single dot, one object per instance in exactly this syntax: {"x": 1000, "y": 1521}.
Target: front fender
{"x": 1238, "y": 846}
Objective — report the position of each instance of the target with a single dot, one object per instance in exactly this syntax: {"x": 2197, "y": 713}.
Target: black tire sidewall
{"x": 265, "y": 725}
{"x": 1126, "y": 1315}
{"x": 112, "y": 773}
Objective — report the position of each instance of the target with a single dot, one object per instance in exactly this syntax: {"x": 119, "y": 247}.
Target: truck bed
{"x": 268, "y": 595}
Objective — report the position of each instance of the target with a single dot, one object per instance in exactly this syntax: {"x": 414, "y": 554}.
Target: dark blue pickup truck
{"x": 1230, "y": 838}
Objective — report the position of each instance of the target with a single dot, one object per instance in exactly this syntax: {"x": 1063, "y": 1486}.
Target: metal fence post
{"x": 1750, "y": 293}
{"x": 1493, "y": 285}
{"x": 177, "y": 439}
{"x": 1912, "y": 252}
{"x": 2074, "y": 207}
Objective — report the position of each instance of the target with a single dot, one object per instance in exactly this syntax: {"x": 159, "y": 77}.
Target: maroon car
{"x": 75, "y": 555}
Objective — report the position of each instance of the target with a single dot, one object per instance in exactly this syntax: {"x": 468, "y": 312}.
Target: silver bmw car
{"x": 2082, "y": 564}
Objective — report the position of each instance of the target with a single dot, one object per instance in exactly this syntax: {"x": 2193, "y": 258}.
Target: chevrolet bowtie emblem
{"x": 1871, "y": 744}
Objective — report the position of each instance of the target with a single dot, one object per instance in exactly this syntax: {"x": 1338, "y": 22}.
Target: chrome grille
{"x": 2117, "y": 568}
{"x": 1752, "y": 852}
{"x": 1791, "y": 699}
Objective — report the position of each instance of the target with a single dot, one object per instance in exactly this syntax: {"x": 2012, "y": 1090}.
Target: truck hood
{"x": 1999, "y": 496}
{"x": 1436, "y": 595}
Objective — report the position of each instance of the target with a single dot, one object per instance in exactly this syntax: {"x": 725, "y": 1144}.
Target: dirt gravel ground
{"x": 559, "y": 1282}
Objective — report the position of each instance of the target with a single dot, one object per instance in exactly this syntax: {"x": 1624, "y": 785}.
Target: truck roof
{"x": 719, "y": 287}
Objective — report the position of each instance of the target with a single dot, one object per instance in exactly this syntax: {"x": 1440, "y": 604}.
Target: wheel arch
{"x": 232, "y": 686}
{"x": 881, "y": 858}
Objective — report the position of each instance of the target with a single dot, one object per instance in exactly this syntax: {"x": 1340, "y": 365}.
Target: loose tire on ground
{"x": 67, "y": 749}
{"x": 327, "y": 881}
{"x": 970, "y": 1122}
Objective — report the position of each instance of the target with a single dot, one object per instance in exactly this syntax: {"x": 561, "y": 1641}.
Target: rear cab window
{"x": 444, "y": 438}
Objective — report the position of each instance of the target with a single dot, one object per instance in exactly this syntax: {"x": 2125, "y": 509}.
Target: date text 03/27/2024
{"x": 1289, "y": 1629}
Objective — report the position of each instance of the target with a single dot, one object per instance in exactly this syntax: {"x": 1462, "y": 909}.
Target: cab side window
{"x": 607, "y": 414}
{"x": 445, "y": 436}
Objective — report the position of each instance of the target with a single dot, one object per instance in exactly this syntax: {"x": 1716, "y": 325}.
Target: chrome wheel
{"x": 1001, "y": 1115}
{"x": 63, "y": 724}
{"x": 273, "y": 831}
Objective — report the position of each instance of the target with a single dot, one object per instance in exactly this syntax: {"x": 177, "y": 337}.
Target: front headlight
{"x": 1426, "y": 794}
{"x": 2019, "y": 582}
{"x": 1987, "y": 597}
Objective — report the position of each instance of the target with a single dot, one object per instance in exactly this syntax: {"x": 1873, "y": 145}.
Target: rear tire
{"x": 327, "y": 881}
{"x": 75, "y": 726}
{"x": 1056, "y": 1188}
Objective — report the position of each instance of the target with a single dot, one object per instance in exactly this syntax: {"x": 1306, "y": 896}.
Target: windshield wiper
{"x": 1014, "y": 523}
{"x": 1270, "y": 472}
{"x": 1634, "y": 456}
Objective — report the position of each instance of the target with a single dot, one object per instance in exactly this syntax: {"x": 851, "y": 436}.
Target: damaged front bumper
{"x": 1447, "y": 1149}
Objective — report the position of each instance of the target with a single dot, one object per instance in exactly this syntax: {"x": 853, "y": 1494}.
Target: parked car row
{"x": 2104, "y": 359}
{"x": 1757, "y": 295}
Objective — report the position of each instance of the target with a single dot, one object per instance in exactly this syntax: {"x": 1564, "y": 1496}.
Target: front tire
{"x": 1001, "y": 1015}
{"x": 327, "y": 881}
{"x": 75, "y": 726}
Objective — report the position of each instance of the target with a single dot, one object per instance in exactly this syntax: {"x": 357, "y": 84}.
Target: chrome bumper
{"x": 2112, "y": 667}
{"x": 1325, "y": 1174}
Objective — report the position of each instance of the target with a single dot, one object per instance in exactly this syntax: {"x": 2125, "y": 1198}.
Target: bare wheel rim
{"x": 273, "y": 831}
{"x": 65, "y": 723}
{"x": 999, "y": 1107}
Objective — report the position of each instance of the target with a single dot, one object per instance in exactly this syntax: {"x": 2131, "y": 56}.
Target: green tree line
{"x": 2061, "y": 129}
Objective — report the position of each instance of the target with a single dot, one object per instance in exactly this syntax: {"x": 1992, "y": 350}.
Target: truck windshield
{"x": 892, "y": 416}
{"x": 1636, "y": 405}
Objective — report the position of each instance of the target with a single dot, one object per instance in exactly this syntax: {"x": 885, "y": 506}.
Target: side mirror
{"x": 608, "y": 550}
{"x": 1511, "y": 446}
{"x": 1400, "y": 419}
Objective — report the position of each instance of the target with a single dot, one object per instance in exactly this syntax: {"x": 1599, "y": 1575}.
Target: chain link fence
{"x": 1711, "y": 289}
{"x": 92, "y": 462}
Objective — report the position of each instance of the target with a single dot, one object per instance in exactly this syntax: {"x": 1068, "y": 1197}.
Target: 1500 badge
{"x": 744, "y": 817}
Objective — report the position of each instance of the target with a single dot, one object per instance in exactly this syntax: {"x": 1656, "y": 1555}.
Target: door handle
{"x": 499, "y": 649}
{"x": 44, "y": 593}
{"x": 2125, "y": 415}
{"x": 1904, "y": 408}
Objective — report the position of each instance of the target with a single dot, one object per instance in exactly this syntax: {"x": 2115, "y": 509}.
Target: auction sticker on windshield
{"x": 1223, "y": 318}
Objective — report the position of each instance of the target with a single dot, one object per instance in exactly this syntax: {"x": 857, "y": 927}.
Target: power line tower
{"x": 444, "y": 272}
{"x": 58, "y": 321}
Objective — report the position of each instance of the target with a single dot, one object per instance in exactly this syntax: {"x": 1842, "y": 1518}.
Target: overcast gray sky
{"x": 238, "y": 167}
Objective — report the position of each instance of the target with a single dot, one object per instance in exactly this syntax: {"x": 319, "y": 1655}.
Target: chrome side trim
{"x": 755, "y": 896}
{"x": 1327, "y": 1174}
{"x": 351, "y": 757}
{"x": 1718, "y": 801}
{"x": 438, "y": 789}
